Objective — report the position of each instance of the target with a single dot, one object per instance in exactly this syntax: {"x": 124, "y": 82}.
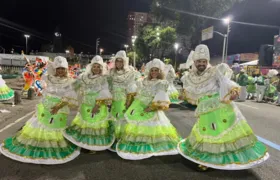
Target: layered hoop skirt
{"x": 6, "y": 93}
{"x": 147, "y": 134}
{"x": 221, "y": 138}
{"x": 41, "y": 140}
{"x": 92, "y": 132}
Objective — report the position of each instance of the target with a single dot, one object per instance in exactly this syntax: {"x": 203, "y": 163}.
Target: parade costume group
{"x": 120, "y": 112}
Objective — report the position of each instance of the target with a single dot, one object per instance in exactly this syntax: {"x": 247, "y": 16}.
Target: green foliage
{"x": 130, "y": 55}
{"x": 187, "y": 24}
{"x": 154, "y": 40}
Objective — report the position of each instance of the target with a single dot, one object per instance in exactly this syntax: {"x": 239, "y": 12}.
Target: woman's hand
{"x": 181, "y": 97}
{"x": 127, "y": 104}
{"x": 148, "y": 109}
{"x": 55, "y": 109}
{"x": 234, "y": 95}
{"x": 95, "y": 110}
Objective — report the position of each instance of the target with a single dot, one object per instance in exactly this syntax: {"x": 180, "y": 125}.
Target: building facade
{"x": 135, "y": 21}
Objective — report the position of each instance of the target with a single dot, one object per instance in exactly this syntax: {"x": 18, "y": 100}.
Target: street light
{"x": 26, "y": 42}
{"x": 101, "y": 51}
{"x": 224, "y": 46}
{"x": 227, "y": 21}
{"x": 126, "y": 46}
{"x": 133, "y": 39}
{"x": 176, "y": 46}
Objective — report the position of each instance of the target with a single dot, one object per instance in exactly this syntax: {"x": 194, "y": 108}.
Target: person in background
{"x": 6, "y": 93}
{"x": 260, "y": 87}
{"x": 278, "y": 89}
{"x": 242, "y": 80}
{"x": 251, "y": 87}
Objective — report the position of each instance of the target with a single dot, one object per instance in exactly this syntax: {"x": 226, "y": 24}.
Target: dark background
{"x": 81, "y": 22}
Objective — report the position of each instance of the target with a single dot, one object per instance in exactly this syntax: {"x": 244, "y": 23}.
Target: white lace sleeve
{"x": 105, "y": 92}
{"x": 131, "y": 87}
{"x": 70, "y": 95}
{"x": 223, "y": 75}
{"x": 161, "y": 100}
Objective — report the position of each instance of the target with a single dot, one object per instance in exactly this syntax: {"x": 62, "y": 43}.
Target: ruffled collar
{"x": 91, "y": 79}
{"x": 91, "y": 76}
{"x": 58, "y": 80}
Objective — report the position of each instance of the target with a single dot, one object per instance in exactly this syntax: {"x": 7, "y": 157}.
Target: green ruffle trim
{"x": 6, "y": 94}
{"x": 244, "y": 155}
{"x": 239, "y": 130}
{"x": 92, "y": 137}
{"x": 33, "y": 152}
{"x": 174, "y": 97}
{"x": 119, "y": 128}
{"x": 152, "y": 131}
{"x": 29, "y": 132}
{"x": 144, "y": 148}
{"x": 148, "y": 139}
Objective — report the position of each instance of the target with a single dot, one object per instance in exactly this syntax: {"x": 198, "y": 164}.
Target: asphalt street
{"x": 263, "y": 118}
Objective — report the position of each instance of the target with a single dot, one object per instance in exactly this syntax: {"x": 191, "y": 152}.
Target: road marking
{"x": 269, "y": 143}
{"x": 247, "y": 105}
{"x": 18, "y": 120}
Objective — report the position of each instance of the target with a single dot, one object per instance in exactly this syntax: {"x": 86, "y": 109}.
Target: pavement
{"x": 263, "y": 118}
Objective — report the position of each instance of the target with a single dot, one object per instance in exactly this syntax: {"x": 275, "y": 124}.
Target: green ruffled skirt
{"x": 6, "y": 93}
{"x": 222, "y": 139}
{"x": 147, "y": 134}
{"x": 91, "y": 132}
{"x": 41, "y": 140}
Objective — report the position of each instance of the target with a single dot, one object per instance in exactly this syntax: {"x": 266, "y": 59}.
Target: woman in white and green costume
{"x": 170, "y": 76}
{"x": 91, "y": 128}
{"x": 6, "y": 93}
{"x": 123, "y": 88}
{"x": 221, "y": 138}
{"x": 41, "y": 140}
{"x": 148, "y": 131}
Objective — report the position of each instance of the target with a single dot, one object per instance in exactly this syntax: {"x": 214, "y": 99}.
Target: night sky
{"x": 81, "y": 22}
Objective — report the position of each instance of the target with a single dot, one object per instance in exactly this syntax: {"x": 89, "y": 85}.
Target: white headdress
{"x": 272, "y": 72}
{"x": 201, "y": 52}
{"x": 121, "y": 55}
{"x": 155, "y": 63}
{"x": 96, "y": 60}
{"x": 59, "y": 61}
{"x": 189, "y": 62}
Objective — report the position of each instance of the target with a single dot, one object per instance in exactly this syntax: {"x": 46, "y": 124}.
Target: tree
{"x": 155, "y": 41}
{"x": 167, "y": 39}
{"x": 186, "y": 24}
{"x": 130, "y": 55}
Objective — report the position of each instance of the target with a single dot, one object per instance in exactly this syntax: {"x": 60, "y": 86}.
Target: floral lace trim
{"x": 208, "y": 105}
{"x": 106, "y": 102}
{"x": 160, "y": 105}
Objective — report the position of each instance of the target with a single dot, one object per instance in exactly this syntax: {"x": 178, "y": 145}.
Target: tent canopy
{"x": 251, "y": 63}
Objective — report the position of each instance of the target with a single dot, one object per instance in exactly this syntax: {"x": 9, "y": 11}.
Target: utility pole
{"x": 97, "y": 44}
